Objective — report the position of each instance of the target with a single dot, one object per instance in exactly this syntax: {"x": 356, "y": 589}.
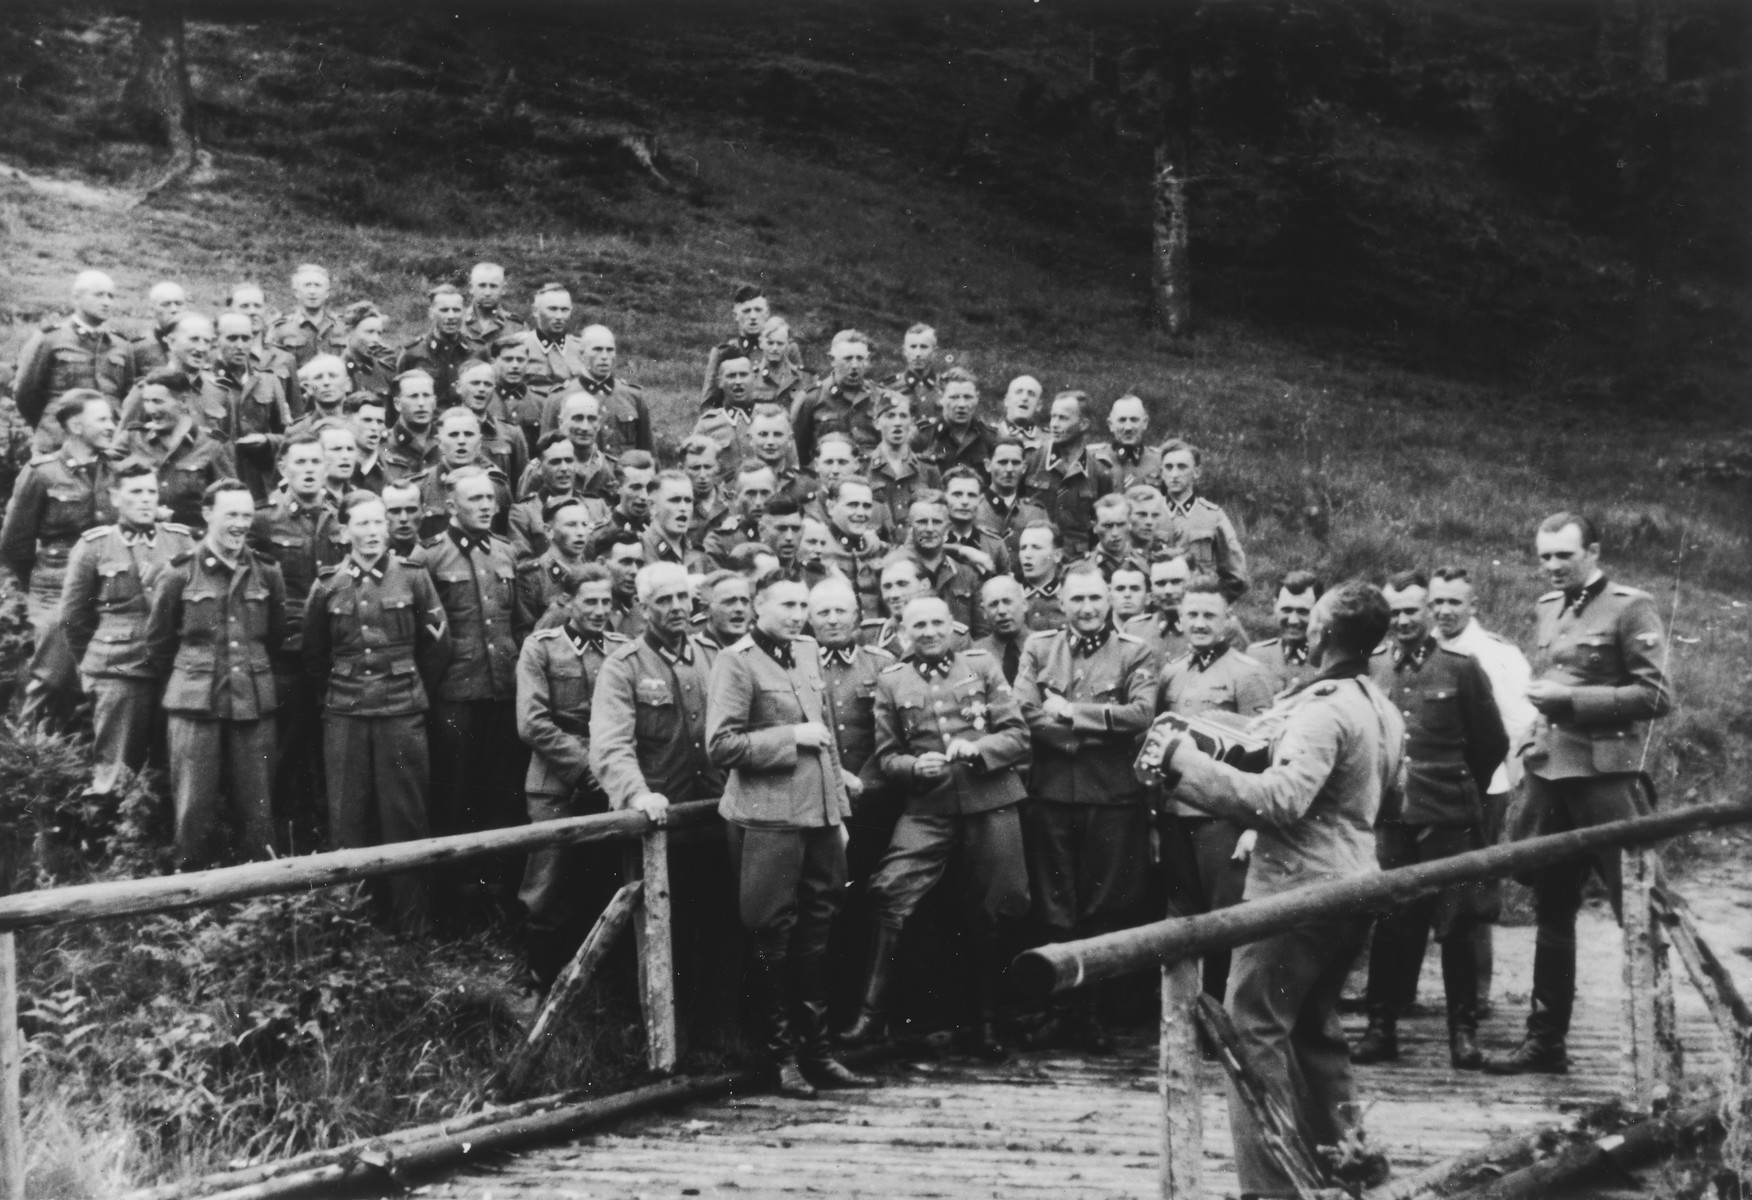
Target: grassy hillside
{"x": 1406, "y": 328}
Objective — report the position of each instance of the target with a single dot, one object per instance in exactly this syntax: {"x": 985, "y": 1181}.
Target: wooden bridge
{"x": 1056, "y": 1125}
{"x": 1064, "y": 1126}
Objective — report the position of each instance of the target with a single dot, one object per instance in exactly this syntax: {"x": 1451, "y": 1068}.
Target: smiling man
{"x": 1286, "y": 655}
{"x": 1598, "y": 681}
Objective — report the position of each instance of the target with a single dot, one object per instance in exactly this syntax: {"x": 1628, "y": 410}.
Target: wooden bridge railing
{"x": 198, "y": 889}
{"x": 1175, "y": 945}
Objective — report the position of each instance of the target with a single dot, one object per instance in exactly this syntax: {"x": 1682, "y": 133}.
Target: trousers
{"x": 378, "y": 778}
{"x": 51, "y": 687}
{"x": 1283, "y": 998}
{"x": 1088, "y": 864}
{"x": 122, "y": 715}
{"x": 210, "y": 759}
{"x": 988, "y": 854}
{"x": 1198, "y": 857}
{"x": 1396, "y": 953}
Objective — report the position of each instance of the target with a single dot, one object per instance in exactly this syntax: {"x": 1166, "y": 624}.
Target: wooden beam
{"x": 1651, "y": 1043}
{"x": 569, "y": 986}
{"x": 1178, "y": 1084}
{"x": 169, "y": 893}
{"x": 1713, "y": 982}
{"x": 657, "y": 956}
{"x": 1062, "y": 966}
{"x": 11, "y": 1068}
{"x": 1605, "y": 1158}
{"x": 1463, "y": 1171}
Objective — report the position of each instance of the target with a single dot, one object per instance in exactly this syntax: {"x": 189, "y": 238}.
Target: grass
{"x": 864, "y": 186}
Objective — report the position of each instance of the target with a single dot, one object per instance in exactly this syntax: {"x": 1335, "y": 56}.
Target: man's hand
{"x": 1244, "y": 846}
{"x": 854, "y": 785}
{"x": 931, "y": 765}
{"x": 962, "y": 750}
{"x": 811, "y": 735}
{"x": 653, "y": 805}
{"x": 1056, "y": 707}
{"x": 1552, "y": 699}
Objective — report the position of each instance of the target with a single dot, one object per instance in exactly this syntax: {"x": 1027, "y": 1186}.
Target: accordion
{"x": 1222, "y": 735}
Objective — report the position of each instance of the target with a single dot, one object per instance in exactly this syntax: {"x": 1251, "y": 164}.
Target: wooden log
{"x": 1651, "y": 1042}
{"x": 569, "y": 986}
{"x": 1062, "y": 966}
{"x": 1604, "y": 1158}
{"x": 1460, "y": 1172}
{"x": 657, "y": 956}
{"x": 1178, "y": 1084}
{"x": 1711, "y": 978}
{"x": 1277, "y": 1128}
{"x": 169, "y": 893}
{"x": 11, "y": 1069}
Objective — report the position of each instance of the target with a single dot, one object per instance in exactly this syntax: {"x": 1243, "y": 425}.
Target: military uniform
{"x": 486, "y": 327}
{"x": 1007, "y": 518}
{"x": 945, "y": 448}
{"x": 70, "y": 355}
{"x": 522, "y": 408}
{"x": 1287, "y": 661}
{"x": 619, "y": 521}
{"x": 1044, "y": 612}
{"x": 1205, "y": 534}
{"x": 440, "y": 357}
{"x": 924, "y": 389}
{"x": 957, "y": 585}
{"x": 255, "y": 403}
{"x": 434, "y": 498}
{"x": 208, "y": 633}
{"x": 1198, "y": 849}
{"x": 1585, "y": 767}
{"x": 556, "y": 671}
{"x": 733, "y": 530}
{"x": 1454, "y": 742}
{"x": 1065, "y": 480}
{"x": 370, "y": 374}
{"x": 707, "y": 512}
{"x": 626, "y": 418}
{"x": 375, "y": 643}
{"x": 405, "y": 454}
{"x": 783, "y": 806}
{"x": 188, "y": 460}
{"x": 886, "y": 635}
{"x": 1107, "y": 563}
{"x": 301, "y": 538}
{"x": 747, "y": 346}
{"x": 781, "y": 385}
{"x": 1162, "y": 632}
{"x": 1007, "y": 650}
{"x": 970, "y": 815}
{"x": 151, "y": 350}
{"x": 1087, "y": 818}
{"x": 540, "y": 582}
{"x": 829, "y": 406}
{"x": 1335, "y": 754}
{"x": 859, "y": 559}
{"x": 104, "y": 605}
{"x": 659, "y": 548}
{"x": 1032, "y": 437}
{"x": 55, "y": 500}
{"x": 477, "y": 764}
{"x": 304, "y": 338}
{"x": 553, "y": 361}
{"x": 1129, "y": 466}
{"x": 528, "y": 520}
{"x": 594, "y": 476}
{"x": 988, "y": 542}
{"x": 895, "y": 487}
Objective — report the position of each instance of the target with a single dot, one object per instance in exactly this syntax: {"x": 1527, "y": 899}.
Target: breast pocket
{"x": 200, "y": 613}
{"x": 255, "y": 613}
{"x": 1439, "y": 710}
{"x": 398, "y": 619}
{"x": 776, "y": 706}
{"x": 1597, "y": 655}
{"x": 117, "y": 583}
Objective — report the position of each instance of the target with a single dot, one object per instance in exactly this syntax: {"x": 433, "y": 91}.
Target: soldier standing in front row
{"x": 1335, "y": 753}
{"x": 1454, "y": 743}
{"x": 950, "y": 736}
{"x": 375, "y": 643}
{"x": 1598, "y": 681}
{"x": 216, "y": 614}
{"x": 785, "y": 807}
{"x": 108, "y": 594}
{"x": 1088, "y": 693}
{"x": 56, "y": 499}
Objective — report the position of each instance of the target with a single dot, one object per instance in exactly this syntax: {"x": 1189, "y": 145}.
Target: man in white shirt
{"x": 1455, "y": 607}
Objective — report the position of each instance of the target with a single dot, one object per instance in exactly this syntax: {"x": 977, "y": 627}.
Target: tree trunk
{"x": 157, "y": 96}
{"x": 1170, "y": 205}
{"x": 1651, "y": 175}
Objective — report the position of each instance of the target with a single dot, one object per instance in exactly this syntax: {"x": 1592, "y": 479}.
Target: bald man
{"x": 489, "y": 323}
{"x": 626, "y": 421}
{"x": 1127, "y": 459}
{"x": 167, "y": 301}
{"x": 80, "y": 352}
{"x": 310, "y": 328}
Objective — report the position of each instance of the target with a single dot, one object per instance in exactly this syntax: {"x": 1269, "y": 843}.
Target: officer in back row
{"x": 82, "y": 352}
{"x": 1599, "y": 679}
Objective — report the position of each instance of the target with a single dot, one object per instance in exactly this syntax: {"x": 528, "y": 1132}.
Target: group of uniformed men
{"x": 387, "y": 593}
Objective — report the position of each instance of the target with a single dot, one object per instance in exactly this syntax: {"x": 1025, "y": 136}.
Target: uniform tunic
{"x": 1066, "y": 485}
{"x": 71, "y": 355}
{"x": 1203, "y": 532}
{"x": 648, "y": 723}
{"x": 1287, "y": 661}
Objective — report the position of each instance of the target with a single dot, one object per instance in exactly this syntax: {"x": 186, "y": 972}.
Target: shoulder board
{"x": 1042, "y": 633}
{"x": 547, "y": 635}
{"x": 1548, "y": 597}
{"x": 173, "y": 527}
{"x": 1247, "y": 658}
{"x": 1450, "y": 650}
{"x": 1123, "y": 636}
{"x": 404, "y": 559}
{"x": 37, "y": 460}
{"x": 1497, "y": 637}
{"x": 741, "y": 645}
{"x": 892, "y": 668}
{"x": 495, "y": 540}
{"x": 876, "y": 621}
{"x": 626, "y": 651}
{"x": 1263, "y": 645}
{"x": 1179, "y": 658}
{"x": 972, "y": 651}
{"x": 804, "y": 639}
{"x": 432, "y": 542}
{"x": 959, "y": 627}
{"x": 528, "y": 564}
{"x": 1323, "y": 689}
{"x": 609, "y": 635}
{"x": 1383, "y": 648}
{"x": 878, "y": 651}
{"x": 183, "y": 557}
{"x": 95, "y": 532}
{"x": 325, "y": 572}
{"x": 1619, "y": 589}
{"x": 628, "y": 384}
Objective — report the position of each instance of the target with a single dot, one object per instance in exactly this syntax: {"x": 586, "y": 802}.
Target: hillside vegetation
{"x": 1412, "y": 253}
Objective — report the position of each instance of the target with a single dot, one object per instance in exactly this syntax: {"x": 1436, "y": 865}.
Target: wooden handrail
{"x": 1060, "y": 967}
{"x": 169, "y": 893}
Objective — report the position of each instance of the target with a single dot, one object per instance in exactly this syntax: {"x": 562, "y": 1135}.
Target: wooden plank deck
{"x": 1065, "y": 1127}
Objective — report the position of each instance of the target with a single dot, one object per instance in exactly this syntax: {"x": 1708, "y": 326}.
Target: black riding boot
{"x": 772, "y": 1004}
{"x": 1460, "y": 983}
{"x": 981, "y": 1038}
{"x": 819, "y": 1066}
{"x": 871, "y": 1025}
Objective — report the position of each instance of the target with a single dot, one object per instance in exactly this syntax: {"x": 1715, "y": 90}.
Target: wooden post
{"x": 657, "y": 955}
{"x": 569, "y": 986}
{"x": 1182, "y": 1100}
{"x": 11, "y": 1063}
{"x": 1652, "y": 1044}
